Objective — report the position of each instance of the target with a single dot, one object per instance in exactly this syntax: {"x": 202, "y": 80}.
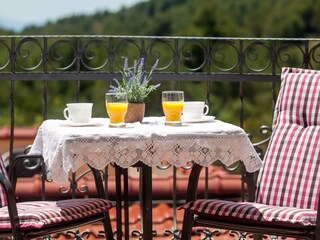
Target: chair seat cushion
{"x": 247, "y": 212}
{"x": 42, "y": 214}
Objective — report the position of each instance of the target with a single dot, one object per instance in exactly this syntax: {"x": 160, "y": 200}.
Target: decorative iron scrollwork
{"x": 291, "y": 53}
{"x": 225, "y": 56}
{"x": 174, "y": 233}
{"x": 94, "y": 55}
{"x": 176, "y": 54}
{"x": 29, "y": 53}
{"x": 315, "y": 55}
{"x": 139, "y": 234}
{"x": 4, "y": 55}
{"x": 62, "y": 55}
{"x": 154, "y": 50}
{"x": 76, "y": 234}
{"x": 207, "y": 234}
{"x": 121, "y": 51}
{"x": 241, "y": 235}
{"x": 193, "y": 55}
{"x": 266, "y": 132}
{"x": 73, "y": 185}
{"x": 258, "y": 56}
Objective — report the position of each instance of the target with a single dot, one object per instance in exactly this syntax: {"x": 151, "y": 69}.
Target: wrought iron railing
{"x": 183, "y": 60}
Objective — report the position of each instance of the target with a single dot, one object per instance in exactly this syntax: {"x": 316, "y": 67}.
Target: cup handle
{"x": 206, "y": 108}
{"x": 65, "y": 114}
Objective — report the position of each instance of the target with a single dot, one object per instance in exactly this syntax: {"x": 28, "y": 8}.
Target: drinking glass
{"x": 172, "y": 105}
{"x": 116, "y": 105}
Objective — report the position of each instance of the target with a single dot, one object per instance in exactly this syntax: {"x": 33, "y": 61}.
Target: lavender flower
{"x": 135, "y": 81}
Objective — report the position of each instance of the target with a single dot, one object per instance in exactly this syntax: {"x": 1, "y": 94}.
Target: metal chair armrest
{"x": 12, "y": 205}
{"x": 193, "y": 183}
{"x": 250, "y": 180}
{"x": 98, "y": 182}
{"x": 21, "y": 159}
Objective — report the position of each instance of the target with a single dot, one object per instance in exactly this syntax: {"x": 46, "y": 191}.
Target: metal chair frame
{"x": 19, "y": 234}
{"x": 190, "y": 221}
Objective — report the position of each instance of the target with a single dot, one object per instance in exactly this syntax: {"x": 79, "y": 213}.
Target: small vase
{"x": 135, "y": 112}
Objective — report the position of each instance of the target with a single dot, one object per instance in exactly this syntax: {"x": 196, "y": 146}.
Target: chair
{"x": 27, "y": 220}
{"x": 286, "y": 197}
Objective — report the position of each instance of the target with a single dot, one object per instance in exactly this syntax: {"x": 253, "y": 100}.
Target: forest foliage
{"x": 204, "y": 18}
{"x": 216, "y": 18}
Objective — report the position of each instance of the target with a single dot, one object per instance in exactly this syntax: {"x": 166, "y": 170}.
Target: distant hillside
{"x": 218, "y": 18}
{"x": 245, "y": 18}
{"x": 146, "y": 18}
{"x": 6, "y": 32}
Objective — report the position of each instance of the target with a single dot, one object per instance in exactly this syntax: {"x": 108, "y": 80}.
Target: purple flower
{"x": 157, "y": 85}
{"x": 125, "y": 66}
{"x": 135, "y": 65}
{"x": 145, "y": 80}
{"x": 135, "y": 81}
{"x": 141, "y": 63}
{"x": 117, "y": 82}
{"x": 113, "y": 89}
{"x": 154, "y": 65}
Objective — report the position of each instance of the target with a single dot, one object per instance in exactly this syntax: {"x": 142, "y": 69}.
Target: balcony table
{"x": 66, "y": 148}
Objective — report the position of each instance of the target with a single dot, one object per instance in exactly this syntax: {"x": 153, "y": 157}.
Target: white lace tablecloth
{"x": 66, "y": 148}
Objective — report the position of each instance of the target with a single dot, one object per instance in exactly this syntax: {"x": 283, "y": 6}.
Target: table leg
{"x": 146, "y": 200}
{"x": 145, "y": 175}
{"x": 118, "y": 201}
{"x": 122, "y": 196}
{"x": 126, "y": 204}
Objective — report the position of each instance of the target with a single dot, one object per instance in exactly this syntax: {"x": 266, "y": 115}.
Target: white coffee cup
{"x": 195, "y": 109}
{"x": 78, "y": 112}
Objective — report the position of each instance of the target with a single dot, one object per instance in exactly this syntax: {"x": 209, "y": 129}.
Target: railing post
{"x": 12, "y": 87}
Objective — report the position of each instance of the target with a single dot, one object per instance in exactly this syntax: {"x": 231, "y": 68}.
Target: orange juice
{"x": 116, "y": 112}
{"x": 172, "y": 111}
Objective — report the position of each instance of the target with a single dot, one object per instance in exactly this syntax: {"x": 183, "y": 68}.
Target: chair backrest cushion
{"x": 3, "y": 199}
{"x": 290, "y": 175}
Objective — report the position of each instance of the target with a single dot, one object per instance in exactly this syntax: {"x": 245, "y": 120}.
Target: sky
{"x": 17, "y": 14}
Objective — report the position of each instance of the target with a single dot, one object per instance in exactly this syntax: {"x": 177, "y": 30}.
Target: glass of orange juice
{"x": 172, "y": 105}
{"x": 116, "y": 105}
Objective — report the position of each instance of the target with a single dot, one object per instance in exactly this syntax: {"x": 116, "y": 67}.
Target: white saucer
{"x": 201, "y": 120}
{"x": 92, "y": 122}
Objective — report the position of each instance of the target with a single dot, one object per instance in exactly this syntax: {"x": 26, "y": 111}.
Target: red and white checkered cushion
{"x": 249, "y": 213}
{"x": 290, "y": 175}
{"x": 3, "y": 199}
{"x": 42, "y": 214}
